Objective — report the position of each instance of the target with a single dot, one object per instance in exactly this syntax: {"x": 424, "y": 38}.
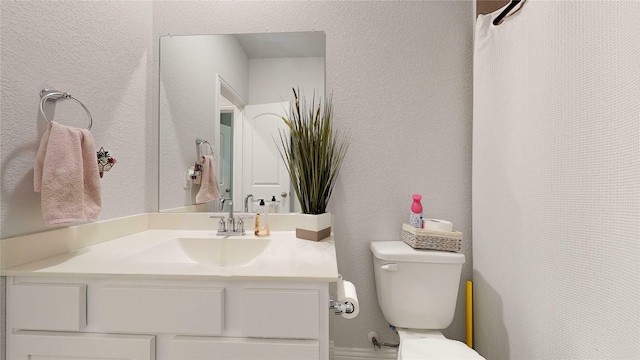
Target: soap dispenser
{"x": 262, "y": 220}
{"x": 275, "y": 205}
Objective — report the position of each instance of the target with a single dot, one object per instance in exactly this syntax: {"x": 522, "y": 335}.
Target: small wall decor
{"x": 195, "y": 171}
{"x": 105, "y": 161}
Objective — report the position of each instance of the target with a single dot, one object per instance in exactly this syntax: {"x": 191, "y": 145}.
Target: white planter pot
{"x": 313, "y": 227}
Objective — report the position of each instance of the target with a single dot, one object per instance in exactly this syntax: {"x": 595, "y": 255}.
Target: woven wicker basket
{"x": 431, "y": 240}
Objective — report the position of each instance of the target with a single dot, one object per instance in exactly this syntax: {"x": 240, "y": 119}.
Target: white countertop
{"x": 155, "y": 253}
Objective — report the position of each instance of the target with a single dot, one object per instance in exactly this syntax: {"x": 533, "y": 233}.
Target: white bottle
{"x": 275, "y": 205}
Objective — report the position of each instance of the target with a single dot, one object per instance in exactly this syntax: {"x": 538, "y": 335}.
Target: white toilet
{"x": 417, "y": 292}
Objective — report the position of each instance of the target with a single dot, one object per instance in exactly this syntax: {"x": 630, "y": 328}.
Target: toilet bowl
{"x": 417, "y": 291}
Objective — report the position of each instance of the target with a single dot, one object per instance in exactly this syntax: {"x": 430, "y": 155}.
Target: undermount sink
{"x": 216, "y": 251}
{"x": 224, "y": 251}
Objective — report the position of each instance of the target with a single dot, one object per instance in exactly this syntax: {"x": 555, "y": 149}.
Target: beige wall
{"x": 400, "y": 73}
{"x": 101, "y": 53}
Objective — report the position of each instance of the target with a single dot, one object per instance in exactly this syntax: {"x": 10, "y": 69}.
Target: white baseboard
{"x": 344, "y": 353}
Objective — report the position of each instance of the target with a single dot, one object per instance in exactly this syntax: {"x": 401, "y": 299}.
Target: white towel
{"x": 66, "y": 174}
{"x": 209, "y": 188}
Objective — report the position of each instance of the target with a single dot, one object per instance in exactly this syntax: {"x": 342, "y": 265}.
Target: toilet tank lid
{"x": 399, "y": 251}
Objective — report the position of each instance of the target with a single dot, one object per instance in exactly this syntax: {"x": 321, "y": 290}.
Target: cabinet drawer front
{"x": 48, "y": 306}
{"x": 32, "y": 345}
{"x": 274, "y": 313}
{"x": 178, "y": 310}
{"x": 201, "y": 348}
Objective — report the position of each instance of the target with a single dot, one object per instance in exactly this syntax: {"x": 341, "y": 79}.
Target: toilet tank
{"x": 416, "y": 289}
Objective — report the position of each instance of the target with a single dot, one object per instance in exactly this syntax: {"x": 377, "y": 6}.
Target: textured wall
{"x": 100, "y": 52}
{"x": 400, "y": 73}
{"x": 556, "y": 182}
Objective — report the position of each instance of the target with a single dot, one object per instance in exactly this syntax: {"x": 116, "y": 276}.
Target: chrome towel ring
{"x": 55, "y": 95}
{"x": 199, "y": 143}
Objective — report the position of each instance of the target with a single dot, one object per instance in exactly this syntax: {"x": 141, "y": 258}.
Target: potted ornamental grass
{"x": 312, "y": 151}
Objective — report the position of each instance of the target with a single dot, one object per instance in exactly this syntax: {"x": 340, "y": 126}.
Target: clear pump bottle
{"x": 262, "y": 220}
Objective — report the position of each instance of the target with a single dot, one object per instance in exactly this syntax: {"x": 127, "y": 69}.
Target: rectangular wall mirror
{"x": 225, "y": 95}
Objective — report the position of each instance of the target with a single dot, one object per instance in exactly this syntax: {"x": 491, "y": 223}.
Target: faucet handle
{"x": 221, "y": 223}
{"x": 240, "y": 222}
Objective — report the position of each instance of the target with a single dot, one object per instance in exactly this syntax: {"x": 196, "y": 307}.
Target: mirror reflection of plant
{"x": 312, "y": 151}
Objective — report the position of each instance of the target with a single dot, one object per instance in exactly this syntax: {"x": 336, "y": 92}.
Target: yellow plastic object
{"x": 470, "y": 314}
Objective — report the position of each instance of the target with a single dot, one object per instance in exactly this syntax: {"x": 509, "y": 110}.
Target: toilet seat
{"x": 436, "y": 348}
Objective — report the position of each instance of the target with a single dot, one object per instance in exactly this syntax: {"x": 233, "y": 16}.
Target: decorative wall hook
{"x": 105, "y": 161}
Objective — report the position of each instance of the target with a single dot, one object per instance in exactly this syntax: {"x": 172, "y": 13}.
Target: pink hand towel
{"x": 209, "y": 188}
{"x": 66, "y": 174}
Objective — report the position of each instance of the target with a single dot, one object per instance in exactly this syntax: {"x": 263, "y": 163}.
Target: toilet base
{"x": 431, "y": 344}
{"x": 416, "y": 334}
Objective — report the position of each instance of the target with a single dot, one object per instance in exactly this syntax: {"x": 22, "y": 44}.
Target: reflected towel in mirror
{"x": 209, "y": 189}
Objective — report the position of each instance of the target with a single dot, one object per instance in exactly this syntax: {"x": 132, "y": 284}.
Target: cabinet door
{"x": 161, "y": 309}
{"x": 281, "y": 313}
{"x": 40, "y": 345}
{"x": 54, "y": 307}
{"x": 212, "y": 348}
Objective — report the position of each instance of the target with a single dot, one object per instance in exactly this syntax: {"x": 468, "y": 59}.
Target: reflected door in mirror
{"x": 264, "y": 174}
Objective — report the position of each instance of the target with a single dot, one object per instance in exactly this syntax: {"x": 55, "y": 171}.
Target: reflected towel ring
{"x": 55, "y": 95}
{"x": 199, "y": 143}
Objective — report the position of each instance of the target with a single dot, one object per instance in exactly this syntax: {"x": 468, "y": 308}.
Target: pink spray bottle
{"x": 415, "y": 217}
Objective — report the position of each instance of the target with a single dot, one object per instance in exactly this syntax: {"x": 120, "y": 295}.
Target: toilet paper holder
{"x": 340, "y": 307}
{"x": 346, "y": 304}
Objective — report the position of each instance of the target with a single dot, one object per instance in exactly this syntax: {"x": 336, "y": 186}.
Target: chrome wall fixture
{"x": 199, "y": 143}
{"x": 105, "y": 160}
{"x": 55, "y": 95}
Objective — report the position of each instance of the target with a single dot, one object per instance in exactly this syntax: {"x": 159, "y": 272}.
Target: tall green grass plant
{"x": 312, "y": 150}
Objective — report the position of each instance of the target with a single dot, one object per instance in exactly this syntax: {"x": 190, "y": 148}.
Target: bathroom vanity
{"x": 174, "y": 294}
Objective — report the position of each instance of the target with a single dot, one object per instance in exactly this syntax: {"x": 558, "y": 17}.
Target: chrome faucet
{"x": 231, "y": 220}
{"x": 221, "y": 201}
{"x": 246, "y": 203}
{"x": 234, "y": 227}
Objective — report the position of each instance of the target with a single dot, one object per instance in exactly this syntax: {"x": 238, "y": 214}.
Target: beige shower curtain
{"x": 556, "y": 182}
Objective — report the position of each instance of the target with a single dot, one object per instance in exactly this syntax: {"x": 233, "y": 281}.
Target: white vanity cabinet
{"x": 165, "y": 319}
{"x": 41, "y": 345}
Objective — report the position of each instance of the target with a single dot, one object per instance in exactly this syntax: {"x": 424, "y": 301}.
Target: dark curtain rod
{"x": 506, "y": 11}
